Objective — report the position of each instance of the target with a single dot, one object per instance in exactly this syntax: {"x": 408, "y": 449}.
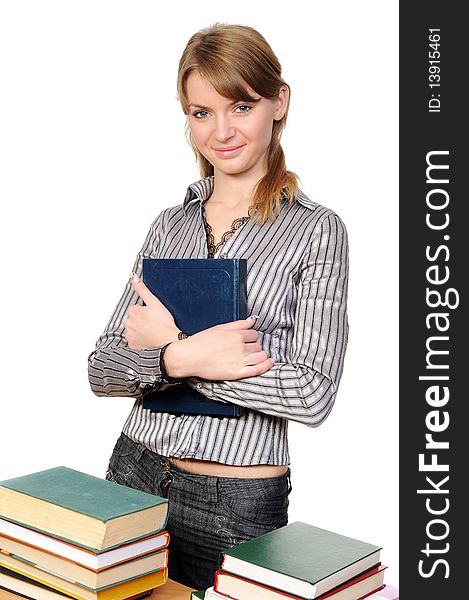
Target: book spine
{"x": 242, "y": 298}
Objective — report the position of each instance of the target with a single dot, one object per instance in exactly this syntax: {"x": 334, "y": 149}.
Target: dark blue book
{"x": 199, "y": 293}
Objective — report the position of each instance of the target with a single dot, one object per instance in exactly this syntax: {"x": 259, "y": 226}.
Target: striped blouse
{"x": 297, "y": 273}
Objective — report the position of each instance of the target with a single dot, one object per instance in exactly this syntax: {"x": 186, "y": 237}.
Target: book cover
{"x": 181, "y": 398}
{"x": 389, "y": 592}
{"x": 199, "y": 293}
{"x": 198, "y": 595}
{"x": 89, "y": 578}
{"x": 32, "y": 540}
{"x": 234, "y": 586}
{"x": 24, "y": 587}
{"x": 301, "y": 559}
{"x": 122, "y": 591}
{"x": 359, "y": 587}
{"x": 8, "y": 595}
{"x": 80, "y": 508}
{"x": 141, "y": 595}
{"x": 211, "y": 594}
{"x": 374, "y": 593}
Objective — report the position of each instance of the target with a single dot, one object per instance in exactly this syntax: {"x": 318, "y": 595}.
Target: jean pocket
{"x": 127, "y": 468}
{"x": 124, "y": 447}
{"x": 258, "y": 502}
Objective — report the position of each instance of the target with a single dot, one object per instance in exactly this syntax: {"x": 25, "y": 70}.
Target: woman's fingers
{"x": 150, "y": 325}
{"x": 141, "y": 289}
{"x": 254, "y": 358}
{"x": 239, "y": 324}
{"x": 256, "y": 369}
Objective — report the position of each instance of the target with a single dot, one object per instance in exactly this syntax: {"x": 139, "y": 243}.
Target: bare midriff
{"x": 216, "y": 469}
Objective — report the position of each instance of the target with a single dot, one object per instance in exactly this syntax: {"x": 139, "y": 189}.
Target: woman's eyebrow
{"x": 208, "y": 108}
{"x": 199, "y": 106}
{"x": 202, "y": 107}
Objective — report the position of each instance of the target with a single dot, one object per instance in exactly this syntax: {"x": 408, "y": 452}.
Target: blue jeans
{"x": 206, "y": 514}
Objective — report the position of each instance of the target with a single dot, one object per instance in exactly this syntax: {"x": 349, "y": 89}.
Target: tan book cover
{"x": 67, "y": 569}
{"x": 121, "y": 591}
{"x": 96, "y": 561}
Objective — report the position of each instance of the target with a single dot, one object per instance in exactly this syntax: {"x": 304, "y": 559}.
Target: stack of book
{"x": 297, "y": 562}
{"x": 65, "y": 534}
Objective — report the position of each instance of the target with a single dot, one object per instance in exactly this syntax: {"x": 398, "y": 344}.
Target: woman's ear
{"x": 281, "y": 102}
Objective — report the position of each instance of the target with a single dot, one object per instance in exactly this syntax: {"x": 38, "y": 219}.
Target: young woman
{"x": 227, "y": 479}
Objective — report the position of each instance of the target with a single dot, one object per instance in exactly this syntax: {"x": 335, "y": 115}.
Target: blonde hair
{"x": 233, "y": 58}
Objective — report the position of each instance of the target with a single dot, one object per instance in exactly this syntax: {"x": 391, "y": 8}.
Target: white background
{"x": 91, "y": 135}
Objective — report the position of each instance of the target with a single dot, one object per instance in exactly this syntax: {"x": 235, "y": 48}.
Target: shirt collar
{"x": 200, "y": 190}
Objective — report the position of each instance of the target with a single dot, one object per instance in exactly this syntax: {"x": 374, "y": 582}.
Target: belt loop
{"x": 139, "y": 450}
{"x": 212, "y": 489}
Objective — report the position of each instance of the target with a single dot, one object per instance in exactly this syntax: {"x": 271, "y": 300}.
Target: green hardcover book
{"x": 81, "y": 509}
{"x": 300, "y": 559}
{"x": 199, "y": 595}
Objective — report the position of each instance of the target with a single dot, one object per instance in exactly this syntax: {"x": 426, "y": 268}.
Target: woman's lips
{"x": 229, "y": 151}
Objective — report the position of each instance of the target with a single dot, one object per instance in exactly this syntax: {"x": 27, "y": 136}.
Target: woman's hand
{"x": 150, "y": 325}
{"x": 224, "y": 352}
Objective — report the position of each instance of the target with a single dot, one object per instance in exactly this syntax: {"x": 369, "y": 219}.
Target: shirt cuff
{"x": 203, "y": 386}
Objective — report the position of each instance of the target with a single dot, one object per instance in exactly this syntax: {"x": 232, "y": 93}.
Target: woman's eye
{"x": 200, "y": 114}
{"x": 243, "y": 108}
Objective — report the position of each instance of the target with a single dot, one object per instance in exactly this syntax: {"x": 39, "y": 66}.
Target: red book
{"x": 239, "y": 588}
{"x": 389, "y": 592}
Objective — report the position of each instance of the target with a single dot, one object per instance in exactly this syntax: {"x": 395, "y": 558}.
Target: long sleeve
{"x": 303, "y": 386}
{"x": 113, "y": 368}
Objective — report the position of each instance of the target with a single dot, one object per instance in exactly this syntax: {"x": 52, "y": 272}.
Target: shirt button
{"x": 199, "y": 385}
{"x": 223, "y": 255}
{"x": 276, "y": 334}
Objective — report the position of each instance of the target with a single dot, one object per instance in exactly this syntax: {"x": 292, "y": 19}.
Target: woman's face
{"x": 232, "y": 136}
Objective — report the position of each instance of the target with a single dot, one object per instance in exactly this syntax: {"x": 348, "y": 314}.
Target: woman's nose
{"x": 224, "y": 129}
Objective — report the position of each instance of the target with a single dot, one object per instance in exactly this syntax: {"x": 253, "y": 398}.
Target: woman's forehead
{"x": 199, "y": 88}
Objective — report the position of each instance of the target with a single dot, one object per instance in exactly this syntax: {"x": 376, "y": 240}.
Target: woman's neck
{"x": 232, "y": 192}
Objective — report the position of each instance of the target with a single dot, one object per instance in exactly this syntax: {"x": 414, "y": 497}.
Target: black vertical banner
{"x": 434, "y": 267}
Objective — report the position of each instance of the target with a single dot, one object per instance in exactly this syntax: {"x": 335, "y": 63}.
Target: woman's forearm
{"x": 115, "y": 370}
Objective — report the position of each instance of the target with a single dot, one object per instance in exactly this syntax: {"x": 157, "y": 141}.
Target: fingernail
{"x": 134, "y": 277}
{"x": 272, "y": 360}
{"x": 252, "y": 317}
